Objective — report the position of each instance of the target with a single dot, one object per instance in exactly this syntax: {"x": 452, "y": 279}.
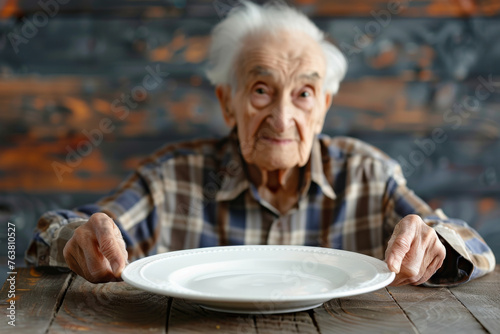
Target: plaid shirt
{"x": 197, "y": 194}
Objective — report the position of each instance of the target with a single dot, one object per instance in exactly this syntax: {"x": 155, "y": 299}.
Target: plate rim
{"x": 134, "y": 268}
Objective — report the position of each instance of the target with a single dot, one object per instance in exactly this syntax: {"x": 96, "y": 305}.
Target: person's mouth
{"x": 277, "y": 141}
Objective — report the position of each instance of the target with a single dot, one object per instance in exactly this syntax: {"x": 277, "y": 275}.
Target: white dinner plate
{"x": 259, "y": 279}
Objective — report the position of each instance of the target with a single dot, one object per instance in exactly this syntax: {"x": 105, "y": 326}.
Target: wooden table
{"x": 64, "y": 303}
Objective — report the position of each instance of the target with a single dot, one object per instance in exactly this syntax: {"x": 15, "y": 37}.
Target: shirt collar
{"x": 317, "y": 172}
{"x": 236, "y": 180}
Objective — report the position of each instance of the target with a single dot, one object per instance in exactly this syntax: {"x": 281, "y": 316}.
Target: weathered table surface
{"x": 64, "y": 303}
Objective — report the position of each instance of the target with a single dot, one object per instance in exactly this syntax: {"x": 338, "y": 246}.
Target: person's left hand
{"x": 414, "y": 251}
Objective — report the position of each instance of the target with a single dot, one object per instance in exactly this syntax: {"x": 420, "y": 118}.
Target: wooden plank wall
{"x": 423, "y": 85}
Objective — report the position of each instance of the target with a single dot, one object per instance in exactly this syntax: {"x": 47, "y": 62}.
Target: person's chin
{"x": 271, "y": 161}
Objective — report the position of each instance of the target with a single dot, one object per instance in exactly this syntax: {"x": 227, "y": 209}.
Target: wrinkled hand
{"x": 97, "y": 250}
{"x": 414, "y": 251}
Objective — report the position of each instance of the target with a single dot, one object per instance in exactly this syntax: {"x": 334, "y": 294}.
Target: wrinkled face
{"x": 279, "y": 104}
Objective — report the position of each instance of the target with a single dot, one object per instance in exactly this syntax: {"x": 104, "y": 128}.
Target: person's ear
{"x": 322, "y": 116}
{"x": 223, "y": 93}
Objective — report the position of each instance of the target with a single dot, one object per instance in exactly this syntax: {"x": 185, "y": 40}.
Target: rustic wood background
{"x": 423, "y": 85}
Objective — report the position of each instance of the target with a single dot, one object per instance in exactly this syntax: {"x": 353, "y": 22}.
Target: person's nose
{"x": 282, "y": 115}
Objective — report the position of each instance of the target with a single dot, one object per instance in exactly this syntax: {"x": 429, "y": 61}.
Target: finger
{"x": 399, "y": 246}
{"x": 431, "y": 270}
{"x": 433, "y": 267}
{"x": 110, "y": 245}
{"x": 73, "y": 264}
{"x": 415, "y": 264}
{"x": 123, "y": 246}
{"x": 421, "y": 269}
{"x": 433, "y": 259}
{"x": 405, "y": 279}
{"x": 87, "y": 266}
{"x": 76, "y": 257}
{"x": 98, "y": 267}
{"x": 123, "y": 249}
{"x": 417, "y": 271}
{"x": 401, "y": 279}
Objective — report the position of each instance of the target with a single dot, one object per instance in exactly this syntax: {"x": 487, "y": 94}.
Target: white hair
{"x": 249, "y": 18}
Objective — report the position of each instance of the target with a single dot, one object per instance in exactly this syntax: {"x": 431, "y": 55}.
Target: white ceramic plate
{"x": 259, "y": 279}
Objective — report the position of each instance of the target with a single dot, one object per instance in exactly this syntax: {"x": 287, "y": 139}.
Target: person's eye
{"x": 261, "y": 95}
{"x": 304, "y": 97}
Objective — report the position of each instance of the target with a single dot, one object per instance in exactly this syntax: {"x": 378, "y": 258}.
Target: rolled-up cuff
{"x": 43, "y": 252}
{"x": 456, "y": 269}
{"x": 61, "y": 237}
{"x": 467, "y": 255}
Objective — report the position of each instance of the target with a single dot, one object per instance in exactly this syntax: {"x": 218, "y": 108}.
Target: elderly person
{"x": 273, "y": 180}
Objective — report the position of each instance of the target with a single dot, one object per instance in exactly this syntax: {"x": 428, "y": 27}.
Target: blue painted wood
{"x": 424, "y": 86}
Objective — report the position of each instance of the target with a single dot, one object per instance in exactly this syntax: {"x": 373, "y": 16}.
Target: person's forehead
{"x": 260, "y": 70}
{"x": 272, "y": 55}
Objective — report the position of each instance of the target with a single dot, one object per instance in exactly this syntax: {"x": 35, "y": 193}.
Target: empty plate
{"x": 259, "y": 279}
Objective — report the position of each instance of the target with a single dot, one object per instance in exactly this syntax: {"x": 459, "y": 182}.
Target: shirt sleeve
{"x": 467, "y": 254}
{"x": 132, "y": 208}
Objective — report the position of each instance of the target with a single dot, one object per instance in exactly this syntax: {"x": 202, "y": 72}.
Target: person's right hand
{"x": 97, "y": 250}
